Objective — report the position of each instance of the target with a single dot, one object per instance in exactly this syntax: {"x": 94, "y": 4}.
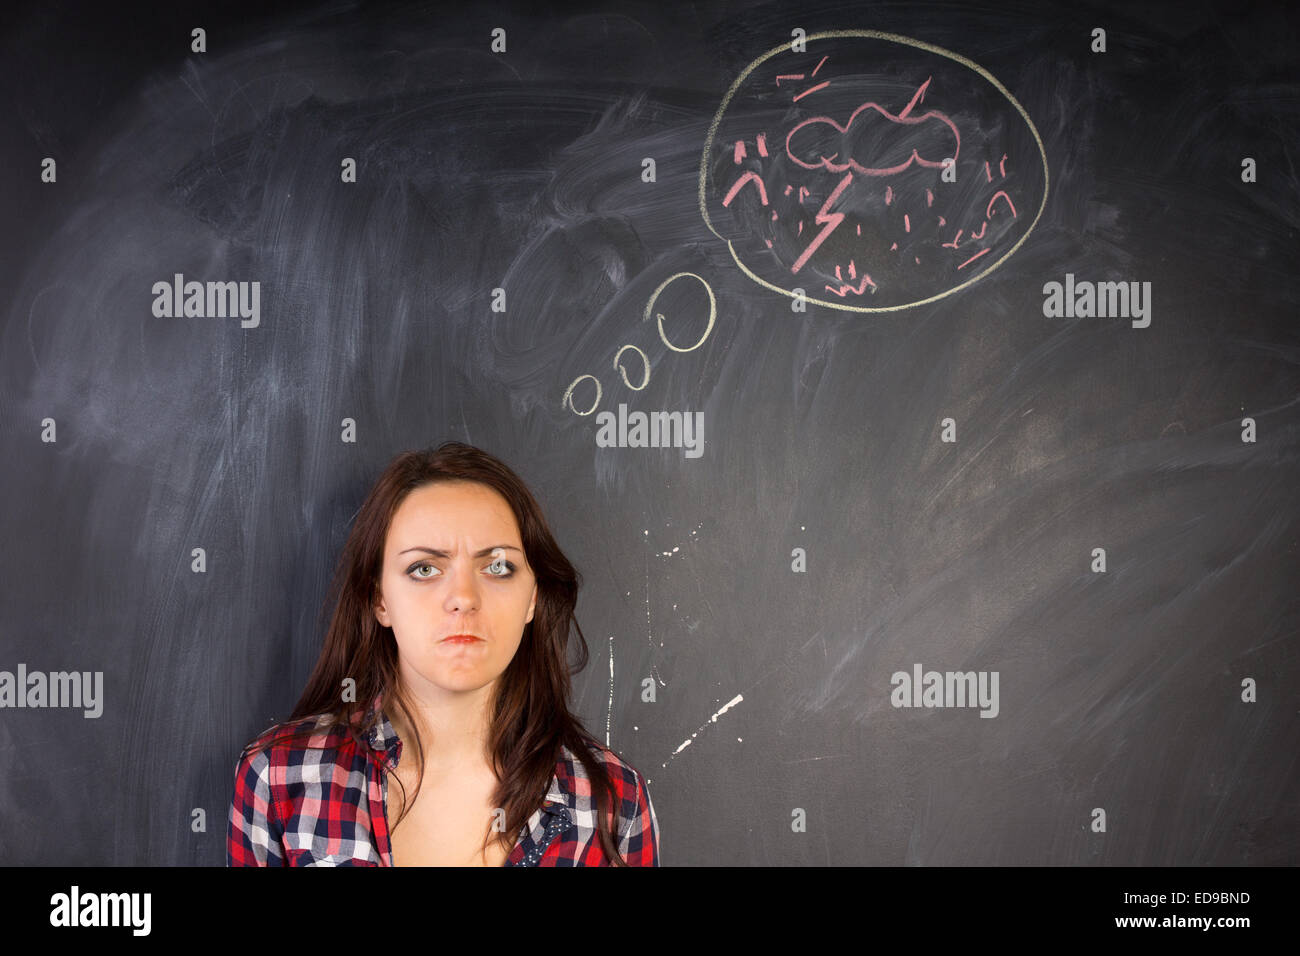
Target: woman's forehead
{"x": 456, "y": 511}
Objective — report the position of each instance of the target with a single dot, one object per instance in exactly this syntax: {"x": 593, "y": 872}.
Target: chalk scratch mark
{"x": 712, "y": 720}
{"x": 609, "y": 708}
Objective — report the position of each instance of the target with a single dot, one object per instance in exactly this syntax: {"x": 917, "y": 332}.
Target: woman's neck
{"x": 453, "y": 726}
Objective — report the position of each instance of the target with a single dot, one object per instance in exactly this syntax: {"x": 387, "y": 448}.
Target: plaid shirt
{"x": 323, "y": 803}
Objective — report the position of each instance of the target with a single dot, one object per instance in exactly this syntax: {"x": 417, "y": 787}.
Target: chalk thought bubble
{"x": 872, "y": 171}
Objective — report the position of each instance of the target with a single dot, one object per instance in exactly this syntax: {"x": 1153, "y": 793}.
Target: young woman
{"x": 445, "y": 670}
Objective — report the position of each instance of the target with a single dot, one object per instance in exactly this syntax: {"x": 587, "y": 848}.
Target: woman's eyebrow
{"x": 478, "y": 554}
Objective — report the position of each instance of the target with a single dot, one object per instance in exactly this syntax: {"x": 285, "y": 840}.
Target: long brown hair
{"x": 530, "y": 717}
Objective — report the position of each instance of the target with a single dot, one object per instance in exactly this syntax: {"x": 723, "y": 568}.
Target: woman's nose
{"x": 463, "y": 594}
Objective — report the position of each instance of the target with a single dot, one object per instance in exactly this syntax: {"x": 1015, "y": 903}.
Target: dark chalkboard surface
{"x": 915, "y": 386}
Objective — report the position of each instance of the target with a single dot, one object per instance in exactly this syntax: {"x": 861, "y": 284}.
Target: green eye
{"x": 499, "y": 568}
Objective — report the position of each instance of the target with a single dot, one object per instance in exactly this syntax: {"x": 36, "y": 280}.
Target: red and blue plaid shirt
{"x": 323, "y": 803}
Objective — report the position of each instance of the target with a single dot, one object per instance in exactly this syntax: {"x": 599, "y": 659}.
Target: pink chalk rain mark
{"x": 739, "y": 184}
{"x": 820, "y": 86}
{"x": 972, "y": 259}
{"x": 916, "y": 98}
{"x": 846, "y": 288}
{"x": 988, "y": 212}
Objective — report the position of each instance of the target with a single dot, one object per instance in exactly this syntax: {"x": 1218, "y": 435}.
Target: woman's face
{"x": 454, "y": 564}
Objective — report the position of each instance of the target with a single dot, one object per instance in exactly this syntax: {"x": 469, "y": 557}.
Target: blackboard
{"x": 1055, "y": 451}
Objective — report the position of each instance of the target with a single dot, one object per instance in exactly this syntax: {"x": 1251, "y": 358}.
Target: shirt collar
{"x": 381, "y": 737}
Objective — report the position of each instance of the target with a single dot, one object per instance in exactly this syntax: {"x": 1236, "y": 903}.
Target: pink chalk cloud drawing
{"x": 889, "y": 145}
{"x": 872, "y": 171}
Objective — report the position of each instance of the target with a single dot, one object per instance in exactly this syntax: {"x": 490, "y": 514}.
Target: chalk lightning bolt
{"x": 828, "y": 220}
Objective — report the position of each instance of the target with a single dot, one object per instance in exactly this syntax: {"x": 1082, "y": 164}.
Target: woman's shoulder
{"x": 611, "y": 760}
{"x": 278, "y": 743}
{"x": 636, "y": 827}
{"x": 628, "y": 782}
